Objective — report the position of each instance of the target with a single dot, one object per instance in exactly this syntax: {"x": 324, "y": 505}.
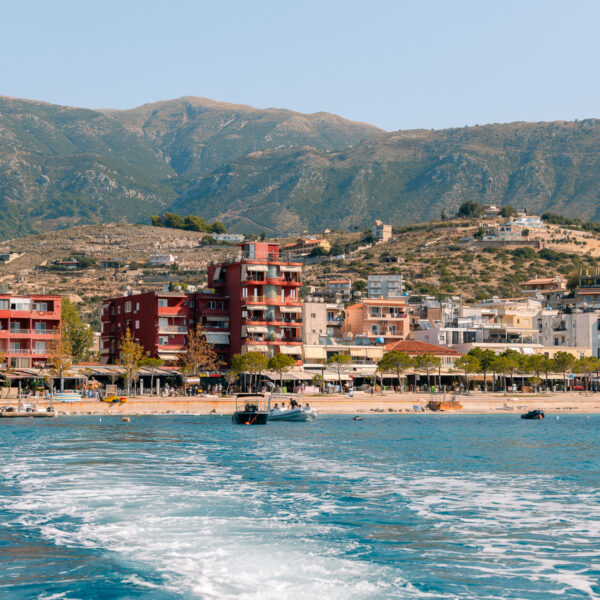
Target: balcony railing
{"x": 171, "y": 329}
{"x": 19, "y": 330}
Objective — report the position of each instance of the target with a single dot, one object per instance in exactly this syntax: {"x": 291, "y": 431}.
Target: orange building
{"x": 379, "y": 318}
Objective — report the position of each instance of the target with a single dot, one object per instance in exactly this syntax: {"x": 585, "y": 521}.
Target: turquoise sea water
{"x": 415, "y": 506}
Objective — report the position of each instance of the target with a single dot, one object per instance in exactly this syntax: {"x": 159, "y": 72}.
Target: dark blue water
{"x": 418, "y": 506}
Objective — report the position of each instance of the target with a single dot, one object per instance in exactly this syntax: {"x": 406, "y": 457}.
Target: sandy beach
{"x": 475, "y": 403}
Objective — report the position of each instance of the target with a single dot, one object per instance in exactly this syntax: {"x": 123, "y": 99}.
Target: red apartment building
{"x": 255, "y": 307}
{"x": 160, "y": 321}
{"x": 28, "y": 325}
{"x": 264, "y": 306}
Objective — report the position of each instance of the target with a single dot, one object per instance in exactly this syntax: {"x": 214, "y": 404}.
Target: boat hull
{"x": 294, "y": 414}
{"x": 243, "y": 417}
{"x": 533, "y": 414}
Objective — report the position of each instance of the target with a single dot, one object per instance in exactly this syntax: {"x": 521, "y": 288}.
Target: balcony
{"x": 290, "y": 339}
{"x": 172, "y": 329}
{"x": 173, "y": 311}
{"x": 19, "y": 330}
{"x": 252, "y": 299}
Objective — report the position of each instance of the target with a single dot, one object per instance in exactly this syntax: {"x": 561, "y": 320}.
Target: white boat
{"x": 293, "y": 414}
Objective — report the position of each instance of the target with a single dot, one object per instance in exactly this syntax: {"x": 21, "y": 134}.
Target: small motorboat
{"x": 298, "y": 413}
{"x": 357, "y": 418}
{"x": 251, "y": 409}
{"x": 534, "y": 414}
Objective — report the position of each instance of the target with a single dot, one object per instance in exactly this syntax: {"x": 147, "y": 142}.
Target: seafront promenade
{"x": 476, "y": 403}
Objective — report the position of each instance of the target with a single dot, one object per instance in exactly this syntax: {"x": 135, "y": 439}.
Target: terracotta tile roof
{"x": 413, "y": 347}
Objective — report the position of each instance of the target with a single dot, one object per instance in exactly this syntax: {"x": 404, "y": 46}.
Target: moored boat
{"x": 293, "y": 414}
{"x": 534, "y": 414}
{"x": 251, "y": 409}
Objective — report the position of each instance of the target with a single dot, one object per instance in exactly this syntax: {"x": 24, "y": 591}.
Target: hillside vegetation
{"x": 276, "y": 170}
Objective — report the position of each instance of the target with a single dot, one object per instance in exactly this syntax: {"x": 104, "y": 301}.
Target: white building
{"x": 385, "y": 286}
{"x": 577, "y": 329}
{"x": 381, "y": 232}
{"x": 232, "y": 238}
{"x": 165, "y": 260}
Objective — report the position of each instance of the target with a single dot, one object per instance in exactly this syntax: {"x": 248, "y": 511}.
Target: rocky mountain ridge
{"x": 276, "y": 170}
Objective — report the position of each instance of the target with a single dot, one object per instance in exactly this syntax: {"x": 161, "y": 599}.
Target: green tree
{"x": 478, "y": 235}
{"x": 199, "y": 353}
{"x": 60, "y": 358}
{"x": 77, "y": 334}
{"x": 341, "y": 363}
{"x": 281, "y": 363}
{"x": 486, "y": 360}
{"x": 467, "y": 364}
{"x": 587, "y": 365}
{"x": 428, "y": 363}
{"x": 513, "y": 361}
{"x": 469, "y": 210}
{"x": 396, "y": 362}
{"x": 130, "y": 355}
{"x": 573, "y": 280}
{"x": 153, "y": 364}
{"x": 317, "y": 381}
{"x": 218, "y": 227}
{"x": 537, "y": 364}
{"x": 508, "y": 211}
{"x": 563, "y": 363}
{"x": 255, "y": 363}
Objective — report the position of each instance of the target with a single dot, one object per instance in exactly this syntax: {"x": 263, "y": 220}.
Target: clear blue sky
{"x": 396, "y": 64}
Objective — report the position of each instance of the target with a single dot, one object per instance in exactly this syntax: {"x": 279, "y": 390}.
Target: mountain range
{"x": 276, "y": 170}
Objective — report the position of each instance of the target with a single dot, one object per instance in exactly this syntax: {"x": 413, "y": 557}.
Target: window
{"x": 292, "y": 293}
{"x": 40, "y": 306}
{"x": 374, "y": 329}
{"x": 40, "y": 327}
{"x": 20, "y": 304}
{"x": 137, "y": 306}
{"x": 163, "y": 303}
{"x": 4, "y": 305}
{"x": 163, "y": 340}
{"x": 118, "y": 310}
{"x": 137, "y": 324}
{"x": 313, "y": 316}
{"x": 128, "y": 307}
{"x": 283, "y": 295}
{"x": 244, "y": 292}
{"x": 212, "y": 305}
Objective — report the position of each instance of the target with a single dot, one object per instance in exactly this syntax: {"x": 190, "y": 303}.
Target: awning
{"x": 290, "y": 269}
{"x": 295, "y": 350}
{"x": 291, "y": 309}
{"x": 257, "y": 329}
{"x": 257, "y": 348}
{"x": 362, "y": 352}
{"x": 217, "y": 338}
{"x": 258, "y": 268}
{"x": 256, "y": 307}
{"x": 374, "y": 352}
{"x": 217, "y": 273}
{"x": 315, "y": 353}
{"x": 168, "y": 356}
{"x": 217, "y": 318}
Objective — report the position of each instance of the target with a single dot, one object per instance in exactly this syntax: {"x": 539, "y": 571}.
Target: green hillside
{"x": 408, "y": 177}
{"x": 276, "y": 170}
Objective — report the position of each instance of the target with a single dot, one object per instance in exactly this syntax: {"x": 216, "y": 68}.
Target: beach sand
{"x": 389, "y": 402}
